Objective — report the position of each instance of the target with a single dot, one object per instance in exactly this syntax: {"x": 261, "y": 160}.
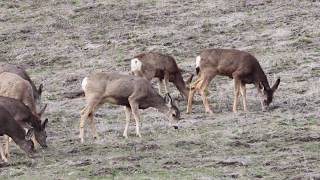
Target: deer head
{"x": 269, "y": 92}
{"x": 173, "y": 113}
{"x": 41, "y": 135}
{"x": 27, "y": 144}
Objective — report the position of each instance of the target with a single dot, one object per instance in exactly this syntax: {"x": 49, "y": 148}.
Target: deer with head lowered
{"x": 12, "y": 85}
{"x": 26, "y": 119}
{"x": 12, "y": 129}
{"x": 162, "y": 66}
{"x": 20, "y": 71}
{"x": 241, "y": 66}
{"x": 126, "y": 90}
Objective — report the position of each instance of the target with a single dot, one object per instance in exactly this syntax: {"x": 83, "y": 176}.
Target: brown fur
{"x": 11, "y": 128}
{"x": 12, "y": 85}
{"x": 130, "y": 91}
{"x": 26, "y": 119}
{"x": 20, "y": 71}
{"x": 238, "y": 65}
{"x": 163, "y": 67}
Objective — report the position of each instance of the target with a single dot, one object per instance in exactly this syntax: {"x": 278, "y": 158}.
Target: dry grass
{"x": 62, "y": 41}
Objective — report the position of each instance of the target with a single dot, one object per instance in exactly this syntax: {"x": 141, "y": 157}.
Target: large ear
{"x": 262, "y": 87}
{"x": 29, "y": 134}
{"x": 188, "y": 81}
{"x": 44, "y": 123}
{"x": 40, "y": 89}
{"x": 275, "y": 85}
{"x": 168, "y": 100}
{"x": 42, "y": 110}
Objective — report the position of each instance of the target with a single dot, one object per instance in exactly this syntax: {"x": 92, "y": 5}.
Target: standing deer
{"x": 130, "y": 91}
{"x": 20, "y": 71}
{"x": 164, "y": 67}
{"x": 11, "y": 128}
{"x": 26, "y": 119}
{"x": 238, "y": 65}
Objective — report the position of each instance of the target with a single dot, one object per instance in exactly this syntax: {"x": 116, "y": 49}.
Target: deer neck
{"x": 262, "y": 78}
{"x": 16, "y": 133}
{"x": 160, "y": 105}
{"x": 181, "y": 85}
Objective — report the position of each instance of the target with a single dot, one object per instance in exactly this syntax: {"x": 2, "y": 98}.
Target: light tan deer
{"x": 130, "y": 91}
{"x": 20, "y": 71}
{"x": 238, "y": 65}
{"x": 12, "y": 85}
{"x": 162, "y": 66}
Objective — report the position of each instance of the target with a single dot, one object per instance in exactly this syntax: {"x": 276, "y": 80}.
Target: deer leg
{"x": 135, "y": 111}
{"x": 193, "y": 89}
{"x": 93, "y": 127}
{"x": 260, "y": 92}
{"x": 128, "y": 117}
{"x": 83, "y": 116}
{"x": 3, "y": 157}
{"x": 205, "y": 101}
{"x": 243, "y": 92}
{"x": 165, "y": 82}
{"x": 236, "y": 94}
{"x": 160, "y": 86}
{"x": 7, "y": 143}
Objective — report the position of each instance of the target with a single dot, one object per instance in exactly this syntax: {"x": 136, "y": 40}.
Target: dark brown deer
{"x": 130, "y": 91}
{"x": 162, "y": 66}
{"x": 26, "y": 119}
{"x": 20, "y": 71}
{"x": 11, "y": 128}
{"x": 238, "y": 65}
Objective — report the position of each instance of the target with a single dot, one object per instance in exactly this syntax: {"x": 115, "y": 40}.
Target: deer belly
{"x": 118, "y": 101}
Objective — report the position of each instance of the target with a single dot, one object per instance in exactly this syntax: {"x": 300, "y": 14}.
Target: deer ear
{"x": 168, "y": 100}
{"x": 40, "y": 89}
{"x": 261, "y": 86}
{"x": 42, "y": 110}
{"x": 188, "y": 81}
{"x": 29, "y": 134}
{"x": 275, "y": 85}
{"x": 44, "y": 123}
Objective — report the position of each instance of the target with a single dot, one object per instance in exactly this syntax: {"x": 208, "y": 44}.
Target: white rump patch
{"x": 84, "y": 83}
{"x": 198, "y": 59}
{"x": 136, "y": 65}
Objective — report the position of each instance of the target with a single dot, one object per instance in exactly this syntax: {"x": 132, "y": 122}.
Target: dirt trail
{"x": 60, "y": 42}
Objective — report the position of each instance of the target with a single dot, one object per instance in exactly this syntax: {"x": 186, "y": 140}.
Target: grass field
{"x": 61, "y": 42}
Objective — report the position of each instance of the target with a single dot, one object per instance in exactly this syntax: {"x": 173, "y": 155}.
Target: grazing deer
{"x": 26, "y": 119}
{"x": 239, "y": 65}
{"x": 130, "y": 91}
{"x": 20, "y": 71}
{"x": 12, "y": 85}
{"x": 164, "y": 67}
{"x": 11, "y": 128}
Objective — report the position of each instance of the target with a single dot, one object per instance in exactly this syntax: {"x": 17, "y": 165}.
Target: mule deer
{"x": 239, "y": 65}
{"x": 12, "y": 85}
{"x": 130, "y": 91}
{"x": 11, "y": 128}
{"x": 26, "y": 119}
{"x": 20, "y": 71}
{"x": 162, "y": 66}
